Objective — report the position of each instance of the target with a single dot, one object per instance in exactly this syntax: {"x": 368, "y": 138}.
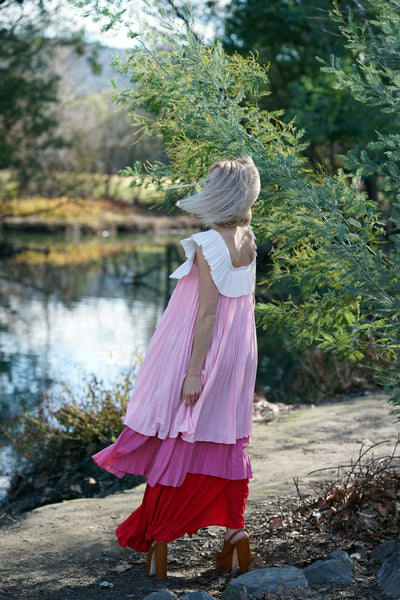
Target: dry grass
{"x": 67, "y": 253}
{"x": 92, "y": 212}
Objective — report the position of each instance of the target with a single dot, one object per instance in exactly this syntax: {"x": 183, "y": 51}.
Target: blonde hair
{"x": 230, "y": 189}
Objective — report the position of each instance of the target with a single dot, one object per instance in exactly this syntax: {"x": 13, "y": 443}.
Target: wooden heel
{"x": 243, "y": 554}
{"x": 225, "y": 557}
{"x": 157, "y": 560}
{"x": 161, "y": 560}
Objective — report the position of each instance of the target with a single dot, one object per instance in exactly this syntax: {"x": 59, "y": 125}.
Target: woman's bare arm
{"x": 208, "y": 300}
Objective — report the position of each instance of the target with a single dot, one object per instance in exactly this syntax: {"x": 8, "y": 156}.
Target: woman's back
{"x": 240, "y": 243}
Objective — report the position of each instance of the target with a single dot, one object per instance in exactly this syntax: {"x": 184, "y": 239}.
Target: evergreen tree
{"x": 27, "y": 93}
{"x": 328, "y": 238}
{"x": 28, "y": 86}
{"x": 375, "y": 80}
{"x": 289, "y": 35}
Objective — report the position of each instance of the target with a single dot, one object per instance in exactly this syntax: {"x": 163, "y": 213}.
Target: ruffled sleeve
{"x": 230, "y": 281}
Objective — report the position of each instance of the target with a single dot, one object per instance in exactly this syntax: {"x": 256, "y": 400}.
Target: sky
{"x": 116, "y": 38}
{"x": 93, "y": 28}
{"x": 68, "y": 17}
{"x": 119, "y": 38}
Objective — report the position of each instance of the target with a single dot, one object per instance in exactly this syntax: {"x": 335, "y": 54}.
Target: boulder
{"x": 337, "y": 569}
{"x": 198, "y": 596}
{"x": 255, "y": 583}
{"x": 380, "y": 553}
{"x": 161, "y": 595}
{"x": 388, "y": 578}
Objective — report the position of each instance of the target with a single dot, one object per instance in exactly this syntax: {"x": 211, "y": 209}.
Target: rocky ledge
{"x": 291, "y": 582}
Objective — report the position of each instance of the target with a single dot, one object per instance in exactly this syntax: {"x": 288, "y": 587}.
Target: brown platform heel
{"x": 157, "y": 560}
{"x": 235, "y": 555}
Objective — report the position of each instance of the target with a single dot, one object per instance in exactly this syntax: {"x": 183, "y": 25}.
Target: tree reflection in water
{"x": 64, "y": 317}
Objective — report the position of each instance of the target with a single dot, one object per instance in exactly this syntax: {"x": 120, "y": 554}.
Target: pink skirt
{"x": 168, "y": 461}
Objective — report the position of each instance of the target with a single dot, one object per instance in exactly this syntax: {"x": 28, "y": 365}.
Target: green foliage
{"x": 329, "y": 240}
{"x": 37, "y": 133}
{"x": 327, "y": 248}
{"x": 204, "y": 105}
{"x": 27, "y": 93}
{"x": 288, "y": 36}
{"x": 375, "y": 80}
{"x": 66, "y": 425}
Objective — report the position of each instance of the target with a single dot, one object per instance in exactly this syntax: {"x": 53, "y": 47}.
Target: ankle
{"x": 238, "y": 534}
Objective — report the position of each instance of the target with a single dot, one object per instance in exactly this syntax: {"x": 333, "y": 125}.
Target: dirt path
{"x": 66, "y": 551}
{"x": 318, "y": 437}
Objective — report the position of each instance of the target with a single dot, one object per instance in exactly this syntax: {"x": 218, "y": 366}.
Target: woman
{"x": 189, "y": 419}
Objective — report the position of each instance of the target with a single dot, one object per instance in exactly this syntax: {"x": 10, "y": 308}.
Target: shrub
{"x": 54, "y": 445}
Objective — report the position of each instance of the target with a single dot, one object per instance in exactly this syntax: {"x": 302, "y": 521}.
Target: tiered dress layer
{"x": 167, "y": 513}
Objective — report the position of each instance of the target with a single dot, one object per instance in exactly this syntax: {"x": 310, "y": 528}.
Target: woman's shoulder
{"x": 231, "y": 281}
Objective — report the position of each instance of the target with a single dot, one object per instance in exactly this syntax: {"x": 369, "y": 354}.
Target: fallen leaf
{"x": 122, "y": 568}
{"x": 257, "y": 561}
{"x": 275, "y": 524}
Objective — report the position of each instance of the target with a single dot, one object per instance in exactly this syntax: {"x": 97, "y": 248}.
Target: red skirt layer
{"x": 167, "y": 512}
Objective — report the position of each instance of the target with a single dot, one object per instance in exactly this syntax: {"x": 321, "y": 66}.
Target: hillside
{"x": 77, "y": 73}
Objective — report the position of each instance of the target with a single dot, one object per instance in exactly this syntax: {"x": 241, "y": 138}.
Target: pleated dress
{"x": 194, "y": 457}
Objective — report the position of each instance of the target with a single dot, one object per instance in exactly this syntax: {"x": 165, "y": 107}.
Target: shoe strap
{"x": 234, "y": 533}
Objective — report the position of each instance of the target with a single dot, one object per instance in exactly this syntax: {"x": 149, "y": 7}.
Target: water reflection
{"x": 68, "y": 321}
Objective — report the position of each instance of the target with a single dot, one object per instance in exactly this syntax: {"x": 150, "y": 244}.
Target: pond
{"x": 65, "y": 319}
{"x": 73, "y": 308}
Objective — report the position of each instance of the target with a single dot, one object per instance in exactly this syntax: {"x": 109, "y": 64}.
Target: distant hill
{"x": 77, "y": 72}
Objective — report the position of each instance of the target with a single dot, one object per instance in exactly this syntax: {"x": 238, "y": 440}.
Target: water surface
{"x": 66, "y": 321}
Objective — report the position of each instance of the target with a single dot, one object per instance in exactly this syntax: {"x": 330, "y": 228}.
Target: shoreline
{"x": 62, "y": 214}
{"x": 135, "y": 223}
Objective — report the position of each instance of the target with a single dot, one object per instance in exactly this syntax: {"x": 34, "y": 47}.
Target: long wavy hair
{"x": 231, "y": 188}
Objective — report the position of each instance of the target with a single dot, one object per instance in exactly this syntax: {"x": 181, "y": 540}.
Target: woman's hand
{"x": 191, "y": 389}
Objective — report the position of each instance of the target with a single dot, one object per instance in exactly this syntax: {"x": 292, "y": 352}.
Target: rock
{"x": 383, "y": 551}
{"x": 337, "y": 569}
{"x": 255, "y": 583}
{"x": 198, "y": 596}
{"x": 161, "y": 595}
{"x": 388, "y": 578}
{"x": 343, "y": 556}
{"x": 106, "y": 584}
